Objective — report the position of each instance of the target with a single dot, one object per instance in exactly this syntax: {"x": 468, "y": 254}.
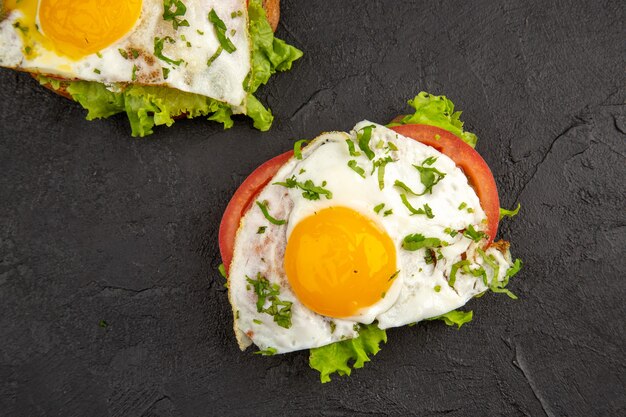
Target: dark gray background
{"x": 95, "y": 225}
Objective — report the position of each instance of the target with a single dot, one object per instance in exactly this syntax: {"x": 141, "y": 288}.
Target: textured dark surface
{"x": 97, "y": 226}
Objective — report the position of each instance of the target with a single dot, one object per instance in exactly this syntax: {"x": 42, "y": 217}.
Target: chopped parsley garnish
{"x": 158, "y": 50}
{"x": 403, "y": 186}
{"x": 134, "y": 73}
{"x": 257, "y": 321}
{"x": 475, "y": 235}
{"x": 135, "y": 53}
{"x": 391, "y": 146}
{"x": 213, "y": 57}
{"x": 261, "y": 230}
{"x": 364, "y": 136}
{"x": 166, "y": 73}
{"x": 437, "y": 288}
{"x": 297, "y": 148}
{"x": 380, "y": 164}
{"x": 267, "y": 292}
{"x": 123, "y": 53}
{"x": 509, "y": 213}
{"x": 499, "y": 286}
{"x": 263, "y": 207}
{"x": 450, "y": 231}
{"x": 429, "y": 176}
{"x": 220, "y": 32}
{"x": 354, "y": 167}
{"x": 103, "y": 324}
{"x": 378, "y": 207}
{"x": 270, "y": 351}
{"x": 18, "y": 25}
{"x": 310, "y": 191}
{"x": 200, "y": 32}
{"x": 418, "y": 241}
{"x": 462, "y": 205}
{"x": 333, "y": 326}
{"x": 222, "y": 271}
{"x": 388, "y": 212}
{"x": 351, "y": 148}
{"x": 96, "y": 70}
{"x": 429, "y": 257}
{"x": 426, "y": 210}
{"x": 383, "y": 294}
{"x": 173, "y": 10}
{"x": 393, "y": 276}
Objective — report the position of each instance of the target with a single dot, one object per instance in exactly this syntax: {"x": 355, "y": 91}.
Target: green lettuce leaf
{"x": 149, "y": 106}
{"x": 342, "y": 357}
{"x": 455, "y": 318}
{"x": 437, "y": 111}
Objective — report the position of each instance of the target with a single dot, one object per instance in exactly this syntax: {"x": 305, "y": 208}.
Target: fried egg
{"x": 345, "y": 236}
{"x": 179, "y": 44}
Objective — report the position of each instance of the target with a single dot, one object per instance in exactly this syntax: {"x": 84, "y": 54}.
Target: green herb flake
{"x": 391, "y": 146}
{"x": 201, "y": 33}
{"x": 264, "y": 210}
{"x": 462, "y": 205}
{"x": 123, "y": 53}
{"x": 364, "y": 136}
{"x": 450, "y": 231}
{"x": 158, "y": 50}
{"x": 135, "y": 53}
{"x": 103, "y": 324}
{"x": 437, "y": 288}
{"x": 257, "y": 321}
{"x": 353, "y": 166}
{"x": 418, "y": 241}
{"x": 172, "y": 11}
{"x": 429, "y": 176}
{"x": 261, "y": 230}
{"x": 98, "y": 54}
{"x": 473, "y": 234}
{"x": 134, "y": 73}
{"x": 380, "y": 164}
{"x": 166, "y": 73}
{"x": 220, "y": 32}
{"x": 378, "y": 207}
{"x": 388, "y": 213}
{"x": 310, "y": 191}
{"x": 351, "y": 148}
{"x": 96, "y": 70}
{"x": 267, "y": 292}
{"x": 394, "y": 276}
{"x": 297, "y": 148}
{"x": 509, "y": 213}
{"x": 333, "y": 326}
{"x": 222, "y": 270}
{"x": 213, "y": 57}
{"x": 425, "y": 210}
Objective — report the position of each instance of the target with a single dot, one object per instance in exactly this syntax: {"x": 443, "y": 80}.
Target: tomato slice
{"x": 242, "y": 200}
{"x": 466, "y": 158}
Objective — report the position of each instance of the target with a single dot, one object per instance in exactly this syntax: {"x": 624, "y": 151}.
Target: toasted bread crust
{"x": 272, "y": 10}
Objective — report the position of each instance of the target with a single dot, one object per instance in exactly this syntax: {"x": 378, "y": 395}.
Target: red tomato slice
{"x": 242, "y": 200}
{"x": 466, "y": 158}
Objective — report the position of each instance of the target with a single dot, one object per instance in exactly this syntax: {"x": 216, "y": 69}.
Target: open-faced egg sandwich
{"x": 155, "y": 60}
{"x": 327, "y": 246}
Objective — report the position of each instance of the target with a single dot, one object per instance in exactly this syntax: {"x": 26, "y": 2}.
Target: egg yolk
{"x": 339, "y": 261}
{"x": 77, "y": 28}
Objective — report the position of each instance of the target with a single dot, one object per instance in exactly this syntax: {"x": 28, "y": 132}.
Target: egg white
{"x": 420, "y": 290}
{"x": 223, "y": 80}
